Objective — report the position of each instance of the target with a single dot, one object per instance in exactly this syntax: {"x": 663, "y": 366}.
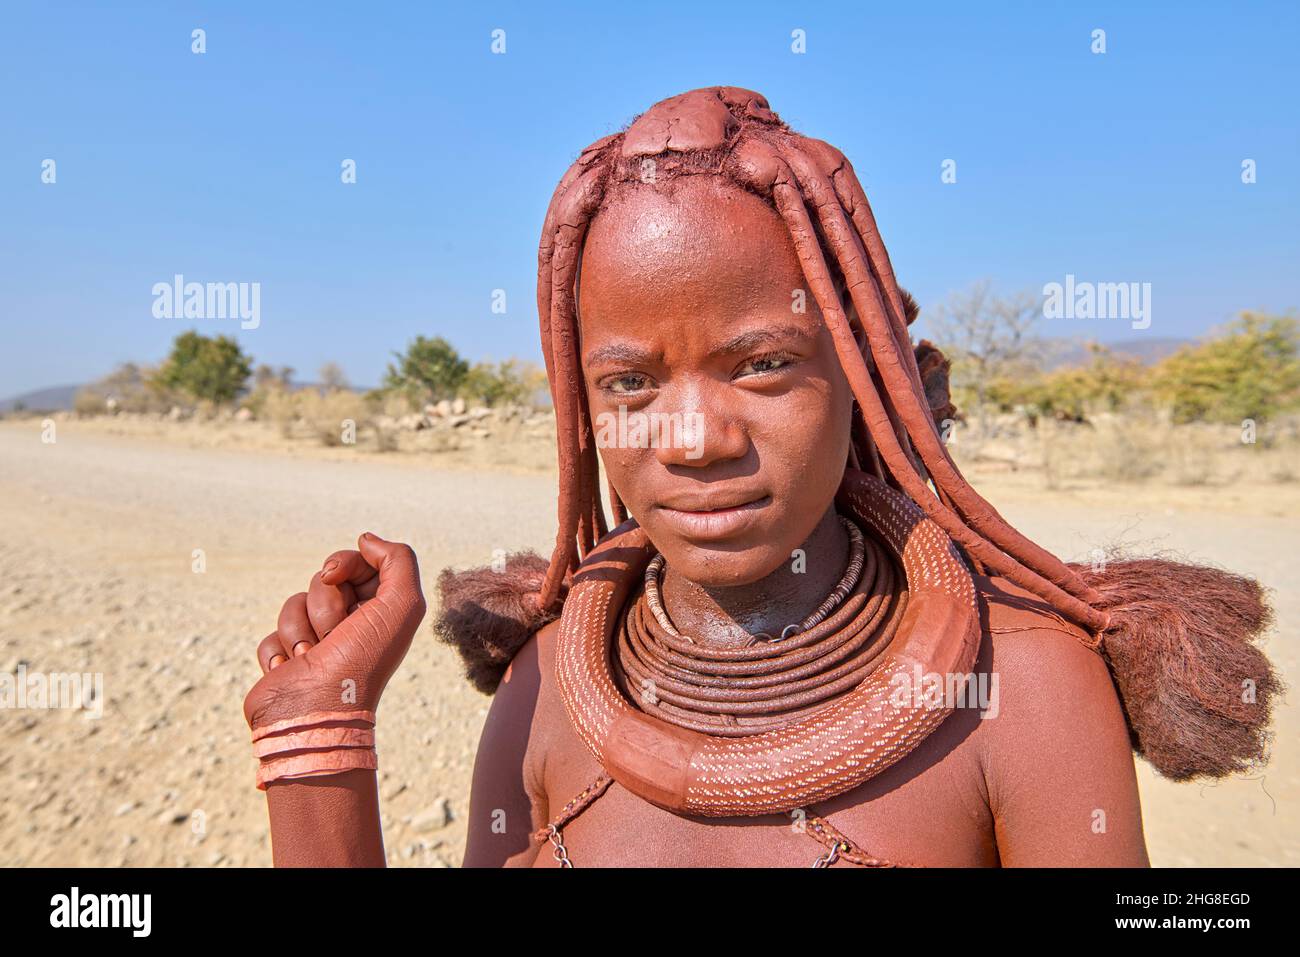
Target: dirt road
{"x": 161, "y": 566}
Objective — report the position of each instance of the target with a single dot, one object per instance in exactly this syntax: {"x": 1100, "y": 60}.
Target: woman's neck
{"x": 731, "y": 615}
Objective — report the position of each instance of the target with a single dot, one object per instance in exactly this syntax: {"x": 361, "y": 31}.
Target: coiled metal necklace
{"x": 782, "y": 724}
{"x": 772, "y": 681}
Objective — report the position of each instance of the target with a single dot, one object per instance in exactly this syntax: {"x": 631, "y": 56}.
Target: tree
{"x": 1105, "y": 383}
{"x": 988, "y": 339}
{"x": 332, "y": 378}
{"x": 507, "y": 383}
{"x": 269, "y": 377}
{"x": 205, "y": 367}
{"x": 1251, "y": 371}
{"x": 431, "y": 369}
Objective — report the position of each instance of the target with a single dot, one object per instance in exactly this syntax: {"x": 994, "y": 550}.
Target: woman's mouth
{"x": 701, "y": 522}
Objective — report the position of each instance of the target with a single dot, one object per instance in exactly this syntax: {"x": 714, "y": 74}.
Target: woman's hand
{"x": 337, "y": 644}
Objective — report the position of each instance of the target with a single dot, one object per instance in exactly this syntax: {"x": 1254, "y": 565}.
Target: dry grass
{"x": 1138, "y": 449}
{"x": 335, "y": 418}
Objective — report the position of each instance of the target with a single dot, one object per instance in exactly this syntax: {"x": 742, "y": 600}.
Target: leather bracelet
{"x": 315, "y": 764}
{"x": 311, "y": 719}
{"x": 314, "y": 739}
{"x": 314, "y": 745}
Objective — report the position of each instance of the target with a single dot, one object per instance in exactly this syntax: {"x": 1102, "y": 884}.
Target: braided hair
{"x": 1178, "y": 637}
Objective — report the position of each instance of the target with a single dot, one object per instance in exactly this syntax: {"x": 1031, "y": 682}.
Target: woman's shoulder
{"x": 1023, "y": 629}
{"x": 528, "y": 686}
{"x": 1051, "y": 684}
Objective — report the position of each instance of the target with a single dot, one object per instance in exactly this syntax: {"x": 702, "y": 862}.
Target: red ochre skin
{"x": 1049, "y": 781}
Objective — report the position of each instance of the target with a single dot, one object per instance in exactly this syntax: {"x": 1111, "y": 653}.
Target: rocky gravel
{"x": 158, "y": 562}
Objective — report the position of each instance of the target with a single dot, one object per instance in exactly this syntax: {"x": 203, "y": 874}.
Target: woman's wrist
{"x": 317, "y": 744}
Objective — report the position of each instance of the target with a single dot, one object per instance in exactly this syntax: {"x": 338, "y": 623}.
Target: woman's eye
{"x": 632, "y": 382}
{"x": 761, "y": 364}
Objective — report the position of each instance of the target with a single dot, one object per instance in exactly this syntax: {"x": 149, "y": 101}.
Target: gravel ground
{"x": 97, "y": 574}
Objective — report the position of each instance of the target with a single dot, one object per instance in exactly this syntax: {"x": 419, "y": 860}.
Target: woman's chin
{"x": 721, "y": 565}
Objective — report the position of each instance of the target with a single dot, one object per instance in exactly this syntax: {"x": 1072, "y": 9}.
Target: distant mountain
{"x": 60, "y": 397}
{"x": 1071, "y": 352}
{"x": 52, "y": 399}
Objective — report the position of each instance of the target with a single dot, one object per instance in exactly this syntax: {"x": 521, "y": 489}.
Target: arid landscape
{"x": 158, "y": 553}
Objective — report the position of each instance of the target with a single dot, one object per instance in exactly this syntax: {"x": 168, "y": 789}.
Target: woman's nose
{"x": 701, "y": 431}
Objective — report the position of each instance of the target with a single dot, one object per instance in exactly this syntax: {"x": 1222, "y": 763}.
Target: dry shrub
{"x": 1146, "y": 446}
{"x": 386, "y": 438}
{"x": 1193, "y": 456}
{"x": 129, "y": 388}
{"x": 392, "y": 404}
{"x": 89, "y": 402}
{"x": 327, "y": 415}
{"x": 1113, "y": 448}
{"x": 310, "y": 414}
{"x": 280, "y": 406}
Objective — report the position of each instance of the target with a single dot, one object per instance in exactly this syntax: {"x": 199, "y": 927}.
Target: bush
{"x": 429, "y": 370}
{"x": 507, "y": 383}
{"x": 322, "y": 414}
{"x": 205, "y": 368}
{"x": 325, "y": 414}
{"x": 1251, "y": 372}
{"x": 1108, "y": 383}
{"x": 332, "y": 377}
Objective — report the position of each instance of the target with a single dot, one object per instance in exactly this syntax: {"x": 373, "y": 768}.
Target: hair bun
{"x": 703, "y": 119}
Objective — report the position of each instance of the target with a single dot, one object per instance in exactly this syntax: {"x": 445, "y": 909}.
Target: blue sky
{"x": 225, "y": 166}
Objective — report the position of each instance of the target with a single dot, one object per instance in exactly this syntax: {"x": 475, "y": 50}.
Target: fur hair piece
{"x": 488, "y": 614}
{"x": 910, "y": 309}
{"x": 1196, "y": 690}
{"x": 934, "y": 366}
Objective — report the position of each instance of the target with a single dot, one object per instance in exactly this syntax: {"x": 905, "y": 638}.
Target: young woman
{"x": 811, "y": 643}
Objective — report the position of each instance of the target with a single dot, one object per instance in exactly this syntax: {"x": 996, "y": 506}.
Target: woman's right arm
{"x": 330, "y": 821}
{"x": 334, "y": 649}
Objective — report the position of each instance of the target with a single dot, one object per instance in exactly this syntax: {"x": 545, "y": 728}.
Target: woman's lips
{"x": 713, "y": 524}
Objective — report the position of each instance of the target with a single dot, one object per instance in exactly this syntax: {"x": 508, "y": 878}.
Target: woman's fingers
{"x": 366, "y": 590}
{"x": 347, "y": 565}
{"x": 364, "y": 569}
{"x": 399, "y": 573}
{"x": 269, "y": 653}
{"x": 379, "y": 568}
{"x": 294, "y": 627}
{"x": 328, "y": 605}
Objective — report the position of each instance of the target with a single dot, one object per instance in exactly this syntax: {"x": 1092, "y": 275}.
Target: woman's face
{"x": 718, "y": 401}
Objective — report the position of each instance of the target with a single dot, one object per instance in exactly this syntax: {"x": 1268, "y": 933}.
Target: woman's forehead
{"x": 690, "y": 210}
{"x": 705, "y": 245}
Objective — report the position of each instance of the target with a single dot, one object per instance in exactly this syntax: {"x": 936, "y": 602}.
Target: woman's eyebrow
{"x": 760, "y": 337}
{"x": 619, "y": 352}
{"x": 623, "y": 353}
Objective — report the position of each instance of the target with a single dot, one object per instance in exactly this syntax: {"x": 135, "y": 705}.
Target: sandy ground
{"x": 97, "y": 575}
